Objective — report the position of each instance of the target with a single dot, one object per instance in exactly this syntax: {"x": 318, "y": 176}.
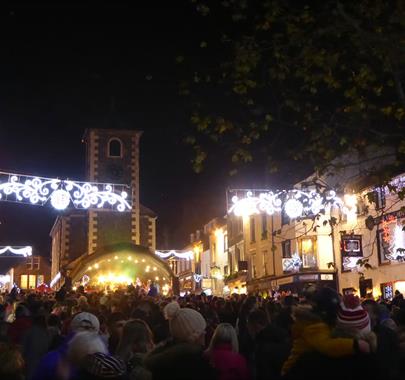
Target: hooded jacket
{"x": 311, "y": 334}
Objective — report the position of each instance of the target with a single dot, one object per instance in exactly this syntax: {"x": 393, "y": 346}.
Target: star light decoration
{"x": 296, "y": 203}
{"x": 62, "y": 193}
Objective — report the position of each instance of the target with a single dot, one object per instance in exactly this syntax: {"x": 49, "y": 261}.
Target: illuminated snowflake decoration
{"x": 295, "y": 203}
{"x": 292, "y": 264}
{"x": 186, "y": 255}
{"x": 197, "y": 277}
{"x": 23, "y": 251}
{"x": 62, "y": 193}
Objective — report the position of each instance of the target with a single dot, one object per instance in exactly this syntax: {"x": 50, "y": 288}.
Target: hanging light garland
{"x": 23, "y": 251}
{"x": 295, "y": 203}
{"x": 186, "y": 255}
{"x": 61, "y": 193}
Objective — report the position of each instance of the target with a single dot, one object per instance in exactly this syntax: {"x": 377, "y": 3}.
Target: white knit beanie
{"x": 186, "y": 325}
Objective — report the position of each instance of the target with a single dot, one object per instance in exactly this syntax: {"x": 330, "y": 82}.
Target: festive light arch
{"x": 62, "y": 193}
{"x": 295, "y": 203}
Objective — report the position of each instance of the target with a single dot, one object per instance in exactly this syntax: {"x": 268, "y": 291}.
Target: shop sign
{"x": 326, "y": 277}
{"x": 283, "y": 281}
{"x": 307, "y": 277}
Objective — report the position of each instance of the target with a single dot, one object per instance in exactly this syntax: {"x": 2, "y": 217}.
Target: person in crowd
{"x": 223, "y": 354}
{"x": 11, "y": 363}
{"x": 100, "y": 366}
{"x": 53, "y": 366}
{"x": 82, "y": 344}
{"x": 387, "y": 353}
{"x": 398, "y": 298}
{"x": 181, "y": 357}
{"x": 35, "y": 343}
{"x": 136, "y": 341}
{"x": 269, "y": 341}
{"x": 312, "y": 333}
{"x": 245, "y": 340}
{"x": 55, "y": 331}
{"x": 115, "y": 324}
{"x": 20, "y": 326}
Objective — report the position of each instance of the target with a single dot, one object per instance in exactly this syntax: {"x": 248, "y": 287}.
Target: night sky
{"x": 67, "y": 68}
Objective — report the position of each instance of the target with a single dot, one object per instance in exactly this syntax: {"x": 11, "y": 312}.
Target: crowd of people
{"x": 74, "y": 335}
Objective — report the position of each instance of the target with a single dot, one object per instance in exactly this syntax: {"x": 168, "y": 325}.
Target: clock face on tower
{"x": 115, "y": 172}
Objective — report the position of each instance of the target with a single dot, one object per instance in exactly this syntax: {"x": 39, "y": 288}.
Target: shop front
{"x": 236, "y": 283}
{"x": 292, "y": 284}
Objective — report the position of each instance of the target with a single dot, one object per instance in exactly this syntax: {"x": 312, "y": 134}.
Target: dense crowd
{"x": 74, "y": 335}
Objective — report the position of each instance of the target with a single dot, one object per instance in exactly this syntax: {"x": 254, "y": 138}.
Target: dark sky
{"x": 65, "y": 68}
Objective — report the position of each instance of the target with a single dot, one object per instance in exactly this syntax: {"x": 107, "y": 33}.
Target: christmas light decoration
{"x": 197, "y": 277}
{"x": 62, "y": 193}
{"x": 55, "y": 280}
{"x": 292, "y": 264}
{"x": 187, "y": 255}
{"x": 23, "y": 251}
{"x": 295, "y": 203}
{"x": 4, "y": 279}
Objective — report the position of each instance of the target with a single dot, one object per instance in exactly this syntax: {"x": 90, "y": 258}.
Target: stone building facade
{"x": 112, "y": 156}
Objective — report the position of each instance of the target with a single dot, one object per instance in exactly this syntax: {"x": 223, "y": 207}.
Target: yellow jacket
{"x": 315, "y": 336}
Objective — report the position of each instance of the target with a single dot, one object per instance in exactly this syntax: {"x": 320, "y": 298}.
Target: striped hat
{"x": 352, "y": 316}
{"x": 102, "y": 366}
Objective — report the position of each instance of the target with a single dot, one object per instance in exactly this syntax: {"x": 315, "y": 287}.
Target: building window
{"x": 240, "y": 225}
{"x": 253, "y": 266}
{"x": 284, "y": 218}
{"x": 114, "y": 148}
{"x": 379, "y": 198}
{"x": 31, "y": 281}
{"x": 226, "y": 270}
{"x": 35, "y": 264}
{"x": 29, "y": 263}
{"x": 264, "y": 226}
{"x": 265, "y": 263}
{"x": 24, "y": 281}
{"x": 308, "y": 253}
{"x": 252, "y": 229}
{"x": 225, "y": 242}
{"x": 286, "y": 249}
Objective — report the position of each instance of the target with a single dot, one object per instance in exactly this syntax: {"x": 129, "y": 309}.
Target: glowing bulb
{"x": 350, "y": 200}
{"x": 143, "y": 260}
{"x": 96, "y": 266}
{"x": 109, "y": 260}
{"x": 60, "y": 199}
{"x": 136, "y": 261}
{"x": 157, "y": 278}
{"x": 122, "y": 261}
{"x": 89, "y": 268}
{"x": 129, "y": 258}
{"x": 115, "y": 257}
{"x": 293, "y": 208}
{"x": 155, "y": 269}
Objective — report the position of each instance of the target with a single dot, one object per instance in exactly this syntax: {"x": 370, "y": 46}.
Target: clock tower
{"x": 112, "y": 156}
